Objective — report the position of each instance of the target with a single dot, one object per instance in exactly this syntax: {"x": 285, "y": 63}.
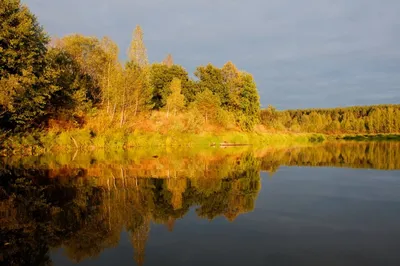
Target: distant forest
{"x": 358, "y": 119}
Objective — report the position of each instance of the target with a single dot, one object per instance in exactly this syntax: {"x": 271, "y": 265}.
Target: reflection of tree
{"x": 139, "y": 238}
{"x": 84, "y": 210}
{"x": 22, "y": 212}
{"x": 36, "y": 216}
{"x": 85, "y": 215}
{"x": 236, "y": 194}
{"x": 171, "y": 224}
{"x": 176, "y": 187}
{"x": 376, "y": 155}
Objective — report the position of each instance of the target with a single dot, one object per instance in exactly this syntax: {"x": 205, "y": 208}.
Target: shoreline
{"x": 37, "y": 143}
{"x": 84, "y": 140}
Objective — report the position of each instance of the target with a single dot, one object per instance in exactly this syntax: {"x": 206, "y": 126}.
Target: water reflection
{"x": 69, "y": 207}
{"x": 82, "y": 203}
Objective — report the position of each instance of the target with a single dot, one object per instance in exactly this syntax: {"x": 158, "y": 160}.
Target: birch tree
{"x": 110, "y": 49}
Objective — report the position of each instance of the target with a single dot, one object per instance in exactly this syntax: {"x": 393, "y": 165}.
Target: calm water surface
{"x": 331, "y": 204}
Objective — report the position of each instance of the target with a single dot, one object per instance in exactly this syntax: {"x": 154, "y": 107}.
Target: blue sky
{"x": 302, "y": 53}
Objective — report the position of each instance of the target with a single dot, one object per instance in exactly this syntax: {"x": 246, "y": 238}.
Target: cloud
{"x": 309, "y": 53}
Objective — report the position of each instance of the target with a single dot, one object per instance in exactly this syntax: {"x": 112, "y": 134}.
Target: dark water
{"x": 333, "y": 204}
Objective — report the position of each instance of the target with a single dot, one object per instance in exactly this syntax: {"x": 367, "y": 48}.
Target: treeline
{"x": 75, "y": 78}
{"x": 358, "y": 119}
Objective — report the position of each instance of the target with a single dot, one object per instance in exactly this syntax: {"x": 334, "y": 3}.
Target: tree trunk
{"x": 75, "y": 142}
{"x": 113, "y": 114}
{"x": 122, "y": 117}
{"x": 123, "y": 105}
{"x": 137, "y": 104}
{"x": 109, "y": 204}
{"x": 123, "y": 177}
{"x": 108, "y": 87}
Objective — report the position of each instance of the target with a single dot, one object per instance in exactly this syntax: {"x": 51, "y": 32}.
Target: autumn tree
{"x": 110, "y": 49}
{"x": 136, "y": 90}
{"x": 316, "y": 122}
{"x": 168, "y": 61}
{"x": 176, "y": 100}
{"x": 139, "y": 239}
{"x": 117, "y": 89}
{"x": 137, "y": 51}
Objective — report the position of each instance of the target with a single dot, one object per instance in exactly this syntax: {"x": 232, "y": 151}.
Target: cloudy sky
{"x": 302, "y": 53}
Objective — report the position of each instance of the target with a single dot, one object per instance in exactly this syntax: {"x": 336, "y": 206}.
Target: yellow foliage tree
{"x": 176, "y": 100}
{"x": 137, "y": 51}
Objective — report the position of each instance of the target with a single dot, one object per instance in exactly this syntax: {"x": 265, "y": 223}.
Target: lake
{"x": 336, "y": 203}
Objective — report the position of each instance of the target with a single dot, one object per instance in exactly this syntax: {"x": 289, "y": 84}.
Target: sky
{"x": 302, "y": 53}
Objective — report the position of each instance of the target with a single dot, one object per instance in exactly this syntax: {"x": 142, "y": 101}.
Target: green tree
{"x": 69, "y": 86}
{"x": 22, "y": 63}
{"x": 91, "y": 55}
{"x": 161, "y": 77}
{"x": 237, "y": 92}
{"x": 233, "y": 85}
{"x": 210, "y": 77}
{"x": 250, "y": 102}
{"x": 208, "y": 104}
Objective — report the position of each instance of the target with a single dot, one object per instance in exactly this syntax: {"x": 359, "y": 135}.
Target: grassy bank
{"x": 86, "y": 140}
{"x": 40, "y": 142}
